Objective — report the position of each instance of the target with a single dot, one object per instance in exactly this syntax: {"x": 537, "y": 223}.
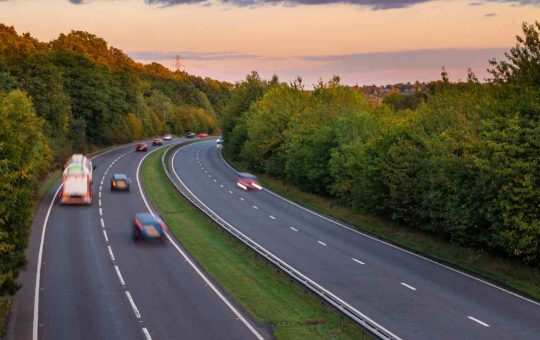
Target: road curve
{"x": 97, "y": 283}
{"x": 409, "y": 295}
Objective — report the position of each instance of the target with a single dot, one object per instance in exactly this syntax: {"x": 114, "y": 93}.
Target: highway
{"x": 96, "y": 282}
{"x": 411, "y": 296}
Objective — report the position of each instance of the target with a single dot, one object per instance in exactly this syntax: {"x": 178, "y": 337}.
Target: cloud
{"x": 370, "y": 4}
{"x": 149, "y": 56}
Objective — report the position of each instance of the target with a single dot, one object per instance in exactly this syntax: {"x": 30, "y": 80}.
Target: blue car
{"x": 120, "y": 182}
{"x": 149, "y": 227}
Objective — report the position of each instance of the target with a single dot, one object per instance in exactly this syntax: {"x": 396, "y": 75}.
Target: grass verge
{"x": 503, "y": 272}
{"x": 268, "y": 296}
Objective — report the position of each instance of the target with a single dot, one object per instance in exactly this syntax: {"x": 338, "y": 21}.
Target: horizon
{"x": 364, "y": 42}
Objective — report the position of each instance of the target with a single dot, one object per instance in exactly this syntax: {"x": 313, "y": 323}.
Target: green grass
{"x": 266, "y": 295}
{"x": 503, "y": 272}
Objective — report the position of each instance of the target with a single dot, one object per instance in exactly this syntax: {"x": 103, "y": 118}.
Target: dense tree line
{"x": 461, "y": 160}
{"x": 74, "y": 94}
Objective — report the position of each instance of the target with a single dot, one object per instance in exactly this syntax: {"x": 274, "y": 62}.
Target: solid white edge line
{"x": 303, "y": 275}
{"x": 35, "y": 321}
{"x": 120, "y": 278}
{"x": 478, "y": 321}
{"x": 38, "y": 271}
{"x": 146, "y": 334}
{"x": 324, "y": 244}
{"x": 389, "y": 244}
{"x": 195, "y": 267}
{"x": 133, "y": 306}
{"x": 408, "y": 286}
{"x": 358, "y": 261}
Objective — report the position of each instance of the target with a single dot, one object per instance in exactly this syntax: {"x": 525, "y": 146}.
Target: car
{"x": 248, "y": 181}
{"x": 141, "y": 147}
{"x": 149, "y": 227}
{"x": 203, "y": 135}
{"x": 157, "y": 142}
{"x": 167, "y": 136}
{"x": 120, "y": 182}
{"x": 190, "y": 134}
{"x": 219, "y": 141}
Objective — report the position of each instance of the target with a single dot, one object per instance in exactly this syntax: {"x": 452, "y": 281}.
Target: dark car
{"x": 190, "y": 134}
{"x": 120, "y": 182}
{"x": 141, "y": 147}
{"x": 157, "y": 142}
{"x": 149, "y": 227}
{"x": 248, "y": 181}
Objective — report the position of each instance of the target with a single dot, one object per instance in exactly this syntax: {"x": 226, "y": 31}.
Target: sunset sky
{"x": 363, "y": 41}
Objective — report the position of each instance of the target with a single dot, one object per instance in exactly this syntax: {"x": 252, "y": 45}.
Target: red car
{"x": 203, "y": 135}
{"x": 157, "y": 142}
{"x": 247, "y": 181}
{"x": 141, "y": 147}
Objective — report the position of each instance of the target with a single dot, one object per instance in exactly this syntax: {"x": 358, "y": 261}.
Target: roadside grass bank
{"x": 503, "y": 272}
{"x": 268, "y": 296}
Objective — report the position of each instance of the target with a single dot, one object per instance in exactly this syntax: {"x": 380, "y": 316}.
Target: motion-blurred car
{"x": 219, "y": 141}
{"x": 141, "y": 147}
{"x": 203, "y": 135}
{"x": 120, "y": 182}
{"x": 167, "y": 136}
{"x": 157, "y": 142}
{"x": 190, "y": 134}
{"x": 248, "y": 181}
{"x": 149, "y": 227}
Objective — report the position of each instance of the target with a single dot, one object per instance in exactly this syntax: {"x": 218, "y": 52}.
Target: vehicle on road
{"x": 141, "y": 147}
{"x": 120, "y": 182}
{"x": 76, "y": 190}
{"x": 203, "y": 135}
{"x": 219, "y": 141}
{"x": 157, "y": 142}
{"x": 149, "y": 227}
{"x": 167, "y": 136}
{"x": 190, "y": 134}
{"x": 76, "y": 164}
{"x": 248, "y": 181}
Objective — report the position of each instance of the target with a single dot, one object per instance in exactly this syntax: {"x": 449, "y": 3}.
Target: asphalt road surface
{"x": 96, "y": 282}
{"x": 411, "y": 296}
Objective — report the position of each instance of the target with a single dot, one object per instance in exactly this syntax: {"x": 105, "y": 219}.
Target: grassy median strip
{"x": 268, "y": 296}
{"x": 504, "y": 272}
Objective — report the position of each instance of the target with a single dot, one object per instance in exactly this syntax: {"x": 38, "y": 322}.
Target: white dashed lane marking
{"x": 133, "y": 306}
{"x": 111, "y": 253}
{"x": 478, "y": 321}
{"x": 254, "y": 207}
{"x": 241, "y": 198}
{"x": 230, "y": 192}
{"x": 105, "y": 235}
{"x": 408, "y": 286}
{"x": 272, "y": 217}
{"x": 322, "y": 243}
{"x": 221, "y": 185}
{"x": 293, "y": 228}
{"x": 120, "y": 278}
{"x": 358, "y": 261}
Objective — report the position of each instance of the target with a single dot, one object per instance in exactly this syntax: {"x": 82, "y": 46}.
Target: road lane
{"x": 439, "y": 307}
{"x": 97, "y": 283}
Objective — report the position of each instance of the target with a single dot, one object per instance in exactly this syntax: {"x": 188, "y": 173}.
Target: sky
{"x": 363, "y": 41}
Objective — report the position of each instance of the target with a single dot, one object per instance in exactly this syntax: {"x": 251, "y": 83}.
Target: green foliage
{"x": 24, "y": 156}
{"x": 462, "y": 162}
{"x": 71, "y": 95}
